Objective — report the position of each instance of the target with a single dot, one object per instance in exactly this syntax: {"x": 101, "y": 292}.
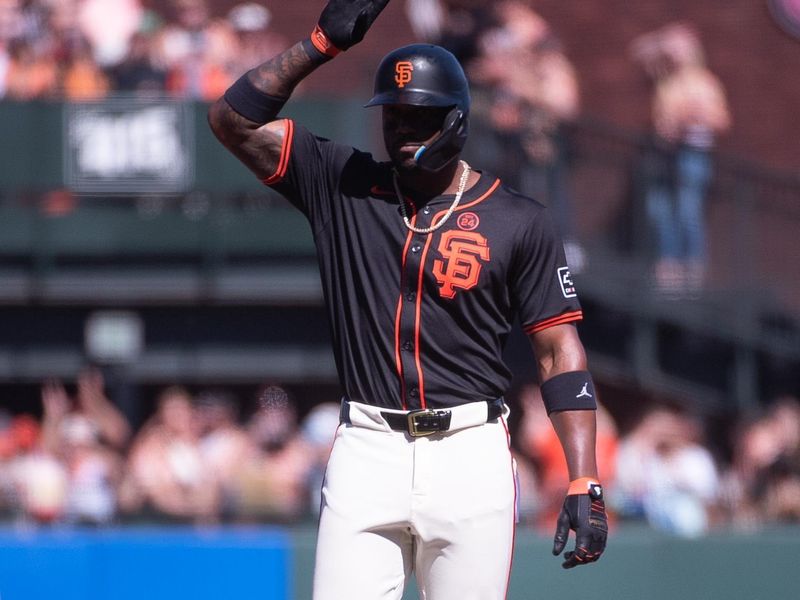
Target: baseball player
{"x": 425, "y": 263}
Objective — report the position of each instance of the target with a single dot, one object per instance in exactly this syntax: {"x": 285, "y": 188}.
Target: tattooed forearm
{"x": 279, "y": 75}
{"x": 229, "y": 126}
{"x": 260, "y": 153}
{"x": 258, "y": 144}
{"x": 277, "y": 78}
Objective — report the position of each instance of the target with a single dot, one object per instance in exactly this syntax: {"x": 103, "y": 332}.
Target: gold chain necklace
{"x": 462, "y": 185}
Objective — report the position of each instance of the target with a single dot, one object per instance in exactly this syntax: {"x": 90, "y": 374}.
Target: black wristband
{"x": 569, "y": 391}
{"x": 252, "y": 103}
{"x": 313, "y": 52}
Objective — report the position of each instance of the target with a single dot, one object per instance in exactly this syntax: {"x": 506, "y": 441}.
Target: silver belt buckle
{"x": 412, "y": 423}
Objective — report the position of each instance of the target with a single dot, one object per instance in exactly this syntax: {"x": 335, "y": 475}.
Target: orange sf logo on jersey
{"x": 402, "y": 72}
{"x": 460, "y": 267}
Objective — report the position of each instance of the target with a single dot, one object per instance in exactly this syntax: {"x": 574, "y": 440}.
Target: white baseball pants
{"x": 442, "y": 506}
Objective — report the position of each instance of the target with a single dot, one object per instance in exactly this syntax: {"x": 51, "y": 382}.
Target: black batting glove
{"x": 344, "y": 23}
{"x": 584, "y": 513}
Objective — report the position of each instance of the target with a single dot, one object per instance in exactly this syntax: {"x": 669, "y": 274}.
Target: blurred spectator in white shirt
{"x": 109, "y": 26}
{"x": 93, "y": 472}
{"x": 166, "y": 473}
{"x": 666, "y": 475}
{"x": 251, "y": 23}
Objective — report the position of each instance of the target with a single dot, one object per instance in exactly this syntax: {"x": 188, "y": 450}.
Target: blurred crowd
{"x": 87, "y": 49}
{"x": 201, "y": 459}
{"x": 197, "y": 459}
{"x": 526, "y": 93}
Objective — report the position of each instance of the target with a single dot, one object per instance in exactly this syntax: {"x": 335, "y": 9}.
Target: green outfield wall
{"x": 639, "y": 564}
{"x": 151, "y": 145}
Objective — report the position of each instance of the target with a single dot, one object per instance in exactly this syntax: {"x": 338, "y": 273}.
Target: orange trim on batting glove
{"x": 581, "y": 485}
{"x": 322, "y": 43}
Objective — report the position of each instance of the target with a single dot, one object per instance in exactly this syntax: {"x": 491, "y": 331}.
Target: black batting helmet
{"x": 427, "y": 75}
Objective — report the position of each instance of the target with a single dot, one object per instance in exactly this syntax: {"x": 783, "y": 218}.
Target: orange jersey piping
{"x": 483, "y": 197}
{"x": 397, "y": 358}
{"x": 567, "y": 317}
{"x": 286, "y": 151}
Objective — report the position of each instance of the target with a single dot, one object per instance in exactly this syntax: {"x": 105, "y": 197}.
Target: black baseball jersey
{"x": 420, "y": 320}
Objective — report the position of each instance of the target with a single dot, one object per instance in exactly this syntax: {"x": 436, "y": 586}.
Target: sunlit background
{"x": 167, "y": 391}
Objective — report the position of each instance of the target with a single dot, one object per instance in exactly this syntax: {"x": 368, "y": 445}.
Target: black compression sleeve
{"x": 252, "y": 103}
{"x": 569, "y": 391}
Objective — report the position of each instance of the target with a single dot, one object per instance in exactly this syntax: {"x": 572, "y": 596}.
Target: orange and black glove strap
{"x": 344, "y": 23}
{"x": 584, "y": 512}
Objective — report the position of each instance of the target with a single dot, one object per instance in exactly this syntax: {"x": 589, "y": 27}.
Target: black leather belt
{"x": 418, "y": 423}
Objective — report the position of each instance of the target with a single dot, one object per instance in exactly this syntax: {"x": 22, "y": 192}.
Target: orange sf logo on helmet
{"x": 402, "y": 72}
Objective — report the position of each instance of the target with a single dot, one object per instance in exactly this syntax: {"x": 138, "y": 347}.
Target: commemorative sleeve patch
{"x": 565, "y": 280}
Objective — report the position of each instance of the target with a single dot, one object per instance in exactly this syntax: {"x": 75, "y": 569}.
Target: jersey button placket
{"x": 408, "y": 323}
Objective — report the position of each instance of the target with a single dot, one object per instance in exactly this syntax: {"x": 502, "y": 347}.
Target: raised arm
{"x": 569, "y": 397}
{"x": 256, "y": 139}
{"x": 244, "y": 119}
